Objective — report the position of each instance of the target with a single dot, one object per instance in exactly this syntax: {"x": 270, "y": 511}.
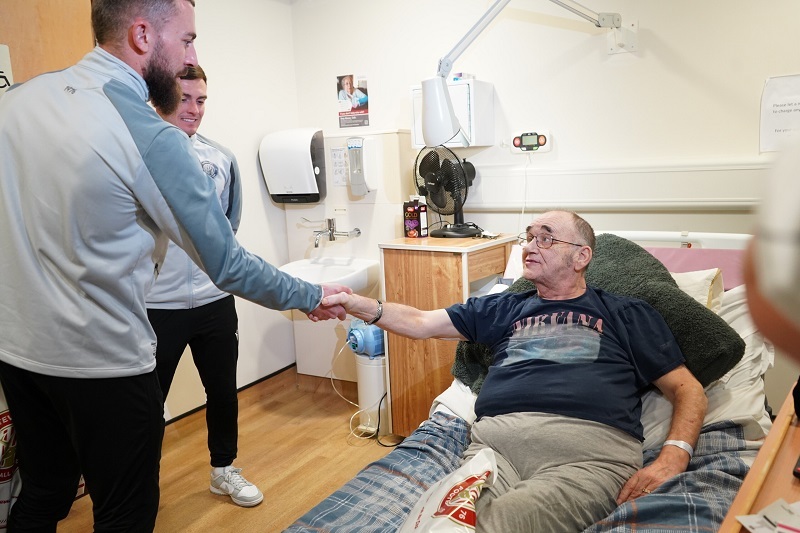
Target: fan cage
{"x": 444, "y": 180}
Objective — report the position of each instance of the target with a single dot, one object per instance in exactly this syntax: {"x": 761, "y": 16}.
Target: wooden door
{"x": 45, "y": 35}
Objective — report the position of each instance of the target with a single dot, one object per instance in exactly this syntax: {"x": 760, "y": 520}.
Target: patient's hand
{"x": 668, "y": 464}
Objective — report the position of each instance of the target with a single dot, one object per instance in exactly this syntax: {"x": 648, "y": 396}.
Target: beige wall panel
{"x": 45, "y": 35}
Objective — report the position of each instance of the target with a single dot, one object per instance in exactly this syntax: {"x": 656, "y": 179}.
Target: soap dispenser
{"x": 357, "y": 175}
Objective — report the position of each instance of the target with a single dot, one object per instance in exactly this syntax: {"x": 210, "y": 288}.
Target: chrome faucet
{"x": 331, "y": 232}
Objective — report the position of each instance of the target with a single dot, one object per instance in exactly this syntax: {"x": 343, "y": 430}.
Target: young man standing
{"x": 186, "y": 308}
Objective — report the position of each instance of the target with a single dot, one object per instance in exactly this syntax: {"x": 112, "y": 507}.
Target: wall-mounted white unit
{"x": 473, "y": 104}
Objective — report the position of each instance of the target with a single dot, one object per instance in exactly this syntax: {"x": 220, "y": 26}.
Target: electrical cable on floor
{"x": 377, "y": 432}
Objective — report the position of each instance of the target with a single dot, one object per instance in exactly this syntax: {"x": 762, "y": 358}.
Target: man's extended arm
{"x": 688, "y": 410}
{"x": 397, "y": 318}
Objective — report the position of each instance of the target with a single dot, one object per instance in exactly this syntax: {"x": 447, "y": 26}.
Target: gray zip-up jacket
{"x": 180, "y": 283}
{"x": 91, "y": 180}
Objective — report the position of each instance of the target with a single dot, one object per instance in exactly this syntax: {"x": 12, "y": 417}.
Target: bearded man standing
{"x": 93, "y": 183}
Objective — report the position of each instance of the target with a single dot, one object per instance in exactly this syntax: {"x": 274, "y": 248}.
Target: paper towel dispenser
{"x": 293, "y": 165}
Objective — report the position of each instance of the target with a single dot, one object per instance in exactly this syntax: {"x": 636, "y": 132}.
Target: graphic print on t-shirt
{"x": 563, "y": 337}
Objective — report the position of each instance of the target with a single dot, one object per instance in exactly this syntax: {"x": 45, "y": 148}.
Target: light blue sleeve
{"x": 175, "y": 192}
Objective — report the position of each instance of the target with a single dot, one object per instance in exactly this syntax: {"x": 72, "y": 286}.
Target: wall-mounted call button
{"x": 532, "y": 142}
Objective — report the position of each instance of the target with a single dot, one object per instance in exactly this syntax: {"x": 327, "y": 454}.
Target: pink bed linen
{"x": 690, "y": 259}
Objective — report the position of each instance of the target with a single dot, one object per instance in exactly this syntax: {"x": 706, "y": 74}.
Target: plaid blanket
{"x": 695, "y": 501}
{"x": 380, "y": 497}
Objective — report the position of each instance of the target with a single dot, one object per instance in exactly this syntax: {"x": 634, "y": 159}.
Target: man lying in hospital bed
{"x": 379, "y": 498}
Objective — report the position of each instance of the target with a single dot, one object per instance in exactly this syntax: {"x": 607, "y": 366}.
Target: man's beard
{"x": 165, "y": 91}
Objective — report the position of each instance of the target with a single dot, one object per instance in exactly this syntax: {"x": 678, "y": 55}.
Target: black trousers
{"x": 110, "y": 430}
{"x": 211, "y": 331}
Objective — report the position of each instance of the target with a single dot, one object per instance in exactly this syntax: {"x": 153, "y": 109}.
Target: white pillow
{"x": 759, "y": 354}
{"x": 705, "y": 286}
{"x": 514, "y": 264}
{"x": 738, "y": 396}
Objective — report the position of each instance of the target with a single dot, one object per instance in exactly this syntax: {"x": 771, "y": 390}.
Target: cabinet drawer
{"x": 489, "y": 262}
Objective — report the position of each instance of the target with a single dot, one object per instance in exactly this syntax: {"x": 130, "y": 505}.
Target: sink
{"x": 361, "y": 275}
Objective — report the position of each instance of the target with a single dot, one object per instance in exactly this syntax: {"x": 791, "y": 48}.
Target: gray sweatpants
{"x": 554, "y": 473}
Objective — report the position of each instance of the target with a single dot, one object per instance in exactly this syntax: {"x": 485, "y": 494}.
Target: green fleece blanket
{"x": 620, "y": 266}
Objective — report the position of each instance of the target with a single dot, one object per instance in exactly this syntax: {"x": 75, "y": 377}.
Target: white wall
{"x": 673, "y": 127}
{"x": 665, "y": 138}
{"x": 691, "y": 93}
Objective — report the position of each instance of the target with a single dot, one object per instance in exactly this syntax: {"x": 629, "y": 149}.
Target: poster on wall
{"x": 6, "y": 79}
{"x": 353, "y": 100}
{"x": 780, "y": 112}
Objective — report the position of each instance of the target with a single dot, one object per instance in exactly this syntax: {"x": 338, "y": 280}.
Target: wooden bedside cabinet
{"x": 430, "y": 273}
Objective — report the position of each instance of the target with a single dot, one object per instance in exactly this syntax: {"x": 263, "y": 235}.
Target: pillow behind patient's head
{"x": 710, "y": 346}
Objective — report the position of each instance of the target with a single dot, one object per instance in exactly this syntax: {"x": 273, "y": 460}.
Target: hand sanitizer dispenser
{"x": 293, "y": 165}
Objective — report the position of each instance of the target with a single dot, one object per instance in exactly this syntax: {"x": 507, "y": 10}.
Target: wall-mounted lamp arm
{"x": 439, "y": 123}
{"x": 601, "y": 20}
{"x": 446, "y": 62}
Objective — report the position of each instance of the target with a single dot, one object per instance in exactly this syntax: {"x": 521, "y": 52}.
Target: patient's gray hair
{"x": 584, "y": 229}
{"x": 111, "y": 18}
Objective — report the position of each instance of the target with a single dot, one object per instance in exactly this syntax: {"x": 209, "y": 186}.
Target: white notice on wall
{"x": 780, "y": 111}
{"x": 6, "y": 79}
{"x": 339, "y": 163}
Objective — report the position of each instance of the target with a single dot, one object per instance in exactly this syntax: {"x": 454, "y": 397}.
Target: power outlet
{"x": 530, "y": 142}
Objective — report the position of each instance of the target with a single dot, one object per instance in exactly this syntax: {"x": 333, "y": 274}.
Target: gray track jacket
{"x": 181, "y": 284}
{"x": 91, "y": 180}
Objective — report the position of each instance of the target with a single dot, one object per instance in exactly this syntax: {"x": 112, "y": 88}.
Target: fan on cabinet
{"x": 444, "y": 180}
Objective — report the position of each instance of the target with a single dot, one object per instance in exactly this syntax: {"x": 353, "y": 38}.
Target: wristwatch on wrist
{"x": 378, "y": 314}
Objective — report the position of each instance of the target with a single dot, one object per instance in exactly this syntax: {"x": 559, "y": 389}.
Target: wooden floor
{"x": 294, "y": 444}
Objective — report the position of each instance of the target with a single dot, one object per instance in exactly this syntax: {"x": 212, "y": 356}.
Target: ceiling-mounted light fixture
{"x": 439, "y": 122}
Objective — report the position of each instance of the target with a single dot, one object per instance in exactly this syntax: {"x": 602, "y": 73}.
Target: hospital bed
{"x": 730, "y": 361}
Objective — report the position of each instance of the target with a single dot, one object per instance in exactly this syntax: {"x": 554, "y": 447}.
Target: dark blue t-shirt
{"x": 589, "y": 357}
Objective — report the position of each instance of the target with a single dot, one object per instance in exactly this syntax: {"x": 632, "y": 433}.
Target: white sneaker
{"x": 231, "y": 483}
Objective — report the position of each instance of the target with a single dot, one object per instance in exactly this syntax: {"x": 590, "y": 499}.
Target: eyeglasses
{"x": 543, "y": 240}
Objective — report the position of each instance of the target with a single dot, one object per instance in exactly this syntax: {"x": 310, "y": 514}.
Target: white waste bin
{"x": 371, "y": 375}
